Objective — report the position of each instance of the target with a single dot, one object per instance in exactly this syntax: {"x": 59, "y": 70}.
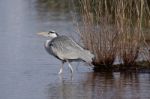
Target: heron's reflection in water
{"x": 101, "y": 86}
{"x": 87, "y": 86}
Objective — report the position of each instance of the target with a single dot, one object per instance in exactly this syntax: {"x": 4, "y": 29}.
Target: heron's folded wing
{"x": 66, "y": 47}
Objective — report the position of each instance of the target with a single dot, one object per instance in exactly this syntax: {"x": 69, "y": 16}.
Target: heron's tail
{"x": 87, "y": 56}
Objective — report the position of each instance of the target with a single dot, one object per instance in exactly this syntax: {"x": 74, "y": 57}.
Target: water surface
{"x": 28, "y": 72}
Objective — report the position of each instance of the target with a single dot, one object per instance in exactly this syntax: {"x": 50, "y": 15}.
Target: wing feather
{"x": 65, "y": 48}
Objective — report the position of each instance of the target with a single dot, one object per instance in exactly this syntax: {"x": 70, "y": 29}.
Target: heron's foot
{"x": 61, "y": 68}
{"x": 60, "y": 71}
{"x": 71, "y": 70}
{"x": 70, "y": 67}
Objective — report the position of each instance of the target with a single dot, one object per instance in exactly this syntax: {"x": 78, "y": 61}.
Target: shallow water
{"x": 28, "y": 72}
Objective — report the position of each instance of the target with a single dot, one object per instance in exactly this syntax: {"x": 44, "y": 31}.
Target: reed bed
{"x": 146, "y": 52}
{"x": 113, "y": 28}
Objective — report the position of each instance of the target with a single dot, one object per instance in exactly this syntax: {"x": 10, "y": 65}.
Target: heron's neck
{"x": 47, "y": 42}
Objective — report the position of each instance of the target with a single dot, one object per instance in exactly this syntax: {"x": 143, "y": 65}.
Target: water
{"x": 28, "y": 72}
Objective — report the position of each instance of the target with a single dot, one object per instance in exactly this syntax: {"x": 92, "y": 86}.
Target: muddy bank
{"x": 142, "y": 66}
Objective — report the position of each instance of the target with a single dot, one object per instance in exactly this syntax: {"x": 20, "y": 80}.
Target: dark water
{"x": 28, "y": 72}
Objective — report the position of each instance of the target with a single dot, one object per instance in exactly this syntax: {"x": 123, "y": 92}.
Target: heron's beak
{"x": 43, "y": 34}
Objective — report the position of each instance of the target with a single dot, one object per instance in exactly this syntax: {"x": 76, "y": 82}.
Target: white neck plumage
{"x": 47, "y": 43}
{"x": 53, "y": 35}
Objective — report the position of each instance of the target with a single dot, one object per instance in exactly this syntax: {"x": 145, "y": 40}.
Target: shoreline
{"x": 139, "y": 67}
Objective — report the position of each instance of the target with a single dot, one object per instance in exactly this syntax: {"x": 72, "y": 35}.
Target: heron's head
{"x": 51, "y": 34}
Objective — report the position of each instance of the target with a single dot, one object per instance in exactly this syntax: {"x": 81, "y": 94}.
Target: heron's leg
{"x": 69, "y": 65}
{"x": 61, "y": 69}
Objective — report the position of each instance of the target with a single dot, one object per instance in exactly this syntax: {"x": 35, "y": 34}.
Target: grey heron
{"x": 65, "y": 49}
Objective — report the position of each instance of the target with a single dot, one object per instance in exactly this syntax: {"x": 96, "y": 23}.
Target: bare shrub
{"x": 97, "y": 31}
{"x": 111, "y": 28}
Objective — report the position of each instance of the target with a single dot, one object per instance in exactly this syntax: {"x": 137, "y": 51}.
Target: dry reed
{"x": 112, "y": 28}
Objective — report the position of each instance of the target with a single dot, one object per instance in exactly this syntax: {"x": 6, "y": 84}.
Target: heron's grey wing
{"x": 65, "y": 48}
